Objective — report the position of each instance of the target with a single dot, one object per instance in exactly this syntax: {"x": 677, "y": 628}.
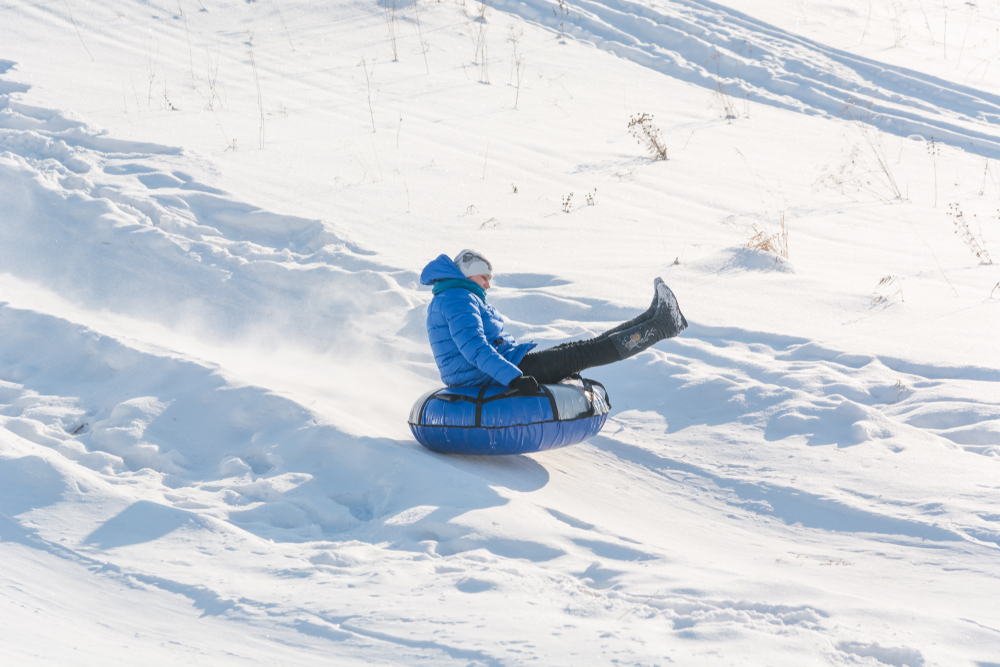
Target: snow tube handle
{"x": 591, "y": 383}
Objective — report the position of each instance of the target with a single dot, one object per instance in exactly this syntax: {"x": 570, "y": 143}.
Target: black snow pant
{"x": 559, "y": 362}
{"x": 663, "y": 320}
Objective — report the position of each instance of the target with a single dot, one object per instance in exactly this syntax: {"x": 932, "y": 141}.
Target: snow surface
{"x": 212, "y": 219}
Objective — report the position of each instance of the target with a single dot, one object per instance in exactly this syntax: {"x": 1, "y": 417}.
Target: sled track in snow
{"x": 108, "y": 193}
{"x": 689, "y": 39}
{"x": 801, "y": 398}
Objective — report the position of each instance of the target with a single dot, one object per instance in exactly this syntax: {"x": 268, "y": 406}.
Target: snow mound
{"x": 737, "y": 259}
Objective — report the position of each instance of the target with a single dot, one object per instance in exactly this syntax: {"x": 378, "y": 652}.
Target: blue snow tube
{"x": 497, "y": 420}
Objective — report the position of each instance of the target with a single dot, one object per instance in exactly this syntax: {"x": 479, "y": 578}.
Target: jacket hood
{"x": 442, "y": 268}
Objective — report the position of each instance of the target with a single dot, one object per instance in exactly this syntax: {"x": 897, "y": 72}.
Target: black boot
{"x": 666, "y": 322}
{"x": 641, "y": 318}
{"x": 662, "y": 320}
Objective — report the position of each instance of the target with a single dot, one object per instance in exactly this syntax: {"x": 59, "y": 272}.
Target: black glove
{"x": 525, "y": 383}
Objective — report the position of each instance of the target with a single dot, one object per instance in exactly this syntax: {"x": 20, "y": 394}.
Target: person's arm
{"x": 466, "y": 327}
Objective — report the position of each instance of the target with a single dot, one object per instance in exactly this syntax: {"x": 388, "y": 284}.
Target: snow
{"x": 213, "y": 216}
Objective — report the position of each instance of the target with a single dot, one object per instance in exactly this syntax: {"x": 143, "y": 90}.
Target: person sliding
{"x": 471, "y": 348}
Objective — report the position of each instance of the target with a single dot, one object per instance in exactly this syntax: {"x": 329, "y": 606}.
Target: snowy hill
{"x": 212, "y": 220}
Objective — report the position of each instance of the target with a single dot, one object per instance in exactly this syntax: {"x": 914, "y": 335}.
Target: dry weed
{"x": 648, "y": 135}
{"x": 887, "y": 288}
{"x": 865, "y": 171}
{"x": 972, "y": 240}
{"x": 776, "y": 243}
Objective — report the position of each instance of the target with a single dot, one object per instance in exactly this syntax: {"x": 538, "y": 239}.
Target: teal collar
{"x": 460, "y": 283}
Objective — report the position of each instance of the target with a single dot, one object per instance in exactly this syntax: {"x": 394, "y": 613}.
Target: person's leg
{"x": 640, "y": 318}
{"x": 625, "y": 340}
{"x": 552, "y": 365}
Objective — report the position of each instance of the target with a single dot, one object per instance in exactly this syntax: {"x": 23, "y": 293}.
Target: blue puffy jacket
{"x": 466, "y": 334}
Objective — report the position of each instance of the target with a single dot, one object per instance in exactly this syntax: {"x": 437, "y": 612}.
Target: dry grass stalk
{"x": 870, "y": 126}
{"x": 648, "y": 135}
{"x": 561, "y": 15}
{"x": 135, "y": 92}
{"x": 763, "y": 239}
{"x": 420, "y": 34}
{"x": 282, "y": 19}
{"x": 256, "y": 80}
{"x": 368, "y": 79}
{"x": 389, "y": 14}
{"x": 896, "y": 18}
{"x": 478, "y": 26}
{"x": 212, "y": 79}
{"x": 516, "y": 60}
{"x": 934, "y": 151}
{"x": 899, "y": 389}
{"x": 151, "y": 70}
{"x": 187, "y": 33}
{"x": 728, "y": 107}
{"x": 973, "y": 241}
{"x": 886, "y": 289}
{"x": 73, "y": 21}
{"x": 857, "y": 173}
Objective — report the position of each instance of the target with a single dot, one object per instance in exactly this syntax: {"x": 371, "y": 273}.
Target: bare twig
{"x": 389, "y": 14}
{"x": 887, "y": 288}
{"x": 869, "y": 125}
{"x": 728, "y": 108}
{"x": 230, "y": 145}
{"x": 870, "y": 3}
{"x": 151, "y": 69}
{"x": 134, "y": 91}
{"x": 478, "y": 27}
{"x": 896, "y": 18}
{"x": 420, "y": 34}
{"x": 934, "y": 151}
{"x": 256, "y": 80}
{"x": 975, "y": 243}
{"x": 77, "y": 29}
{"x": 212, "y": 74}
{"x": 931, "y": 250}
{"x": 927, "y": 22}
{"x": 944, "y": 40}
{"x": 516, "y": 60}
{"x": 188, "y": 34}
{"x": 561, "y": 15}
{"x": 899, "y": 388}
{"x": 964, "y": 37}
{"x": 368, "y": 78}
{"x": 646, "y": 134}
{"x": 282, "y": 19}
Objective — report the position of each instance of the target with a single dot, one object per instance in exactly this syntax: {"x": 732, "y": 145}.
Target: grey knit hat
{"x": 472, "y": 263}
